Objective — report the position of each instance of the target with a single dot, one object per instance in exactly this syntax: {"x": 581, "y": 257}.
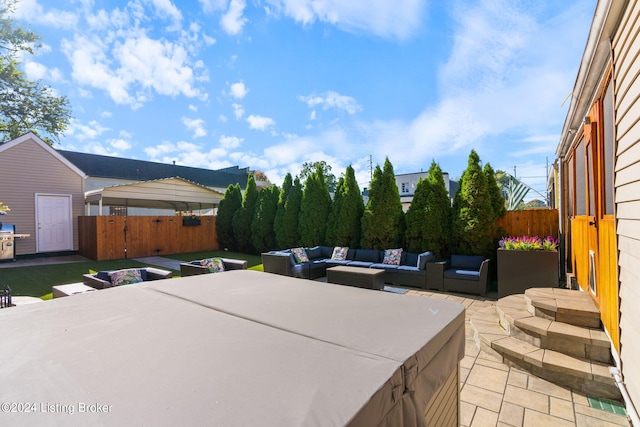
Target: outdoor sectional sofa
{"x": 415, "y": 270}
{"x": 193, "y": 268}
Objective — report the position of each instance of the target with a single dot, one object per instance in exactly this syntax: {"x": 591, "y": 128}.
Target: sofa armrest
{"x": 484, "y": 271}
{"x": 157, "y": 274}
{"x": 276, "y": 263}
{"x": 189, "y": 269}
{"x": 235, "y": 264}
{"x": 435, "y": 275}
{"x": 94, "y": 282}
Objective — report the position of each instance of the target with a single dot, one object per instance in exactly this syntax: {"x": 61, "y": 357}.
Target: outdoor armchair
{"x": 193, "y": 268}
{"x": 104, "y": 279}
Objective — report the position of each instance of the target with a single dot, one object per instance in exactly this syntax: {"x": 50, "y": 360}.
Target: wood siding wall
{"x": 533, "y": 222}
{"x": 115, "y": 237}
{"x": 626, "y": 51}
{"x": 27, "y": 169}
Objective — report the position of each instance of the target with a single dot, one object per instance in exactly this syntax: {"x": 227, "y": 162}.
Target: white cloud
{"x": 83, "y": 132}
{"x": 238, "y": 111}
{"x": 239, "y": 90}
{"x": 119, "y": 56}
{"x": 223, "y": 118}
{"x": 193, "y": 108}
{"x": 332, "y": 99}
{"x": 260, "y": 122}
{"x": 396, "y": 19}
{"x": 233, "y": 20}
{"x": 229, "y": 142}
{"x": 31, "y": 10}
{"x": 196, "y": 126}
{"x": 210, "y": 6}
{"x": 119, "y": 144}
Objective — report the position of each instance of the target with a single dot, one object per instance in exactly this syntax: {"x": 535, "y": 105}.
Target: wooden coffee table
{"x": 369, "y": 278}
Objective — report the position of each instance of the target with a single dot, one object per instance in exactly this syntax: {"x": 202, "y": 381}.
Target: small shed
{"x": 45, "y": 192}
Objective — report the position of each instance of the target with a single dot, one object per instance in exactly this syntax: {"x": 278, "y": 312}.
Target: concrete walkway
{"x": 494, "y": 394}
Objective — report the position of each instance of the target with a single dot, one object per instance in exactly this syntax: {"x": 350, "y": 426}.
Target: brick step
{"x": 578, "y": 341}
{"x": 584, "y": 376}
{"x": 563, "y": 305}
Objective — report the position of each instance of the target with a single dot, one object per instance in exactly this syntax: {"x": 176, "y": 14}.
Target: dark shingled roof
{"x": 95, "y": 165}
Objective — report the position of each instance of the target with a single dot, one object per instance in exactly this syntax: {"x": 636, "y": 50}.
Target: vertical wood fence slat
{"x": 104, "y": 237}
{"x": 534, "y": 222}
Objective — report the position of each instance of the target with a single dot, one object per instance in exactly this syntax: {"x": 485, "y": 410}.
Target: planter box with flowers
{"x": 527, "y": 262}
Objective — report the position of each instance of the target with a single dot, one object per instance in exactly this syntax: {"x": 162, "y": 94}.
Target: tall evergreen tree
{"x": 344, "y": 226}
{"x": 290, "y": 236}
{"x": 279, "y": 224}
{"x": 231, "y": 202}
{"x": 244, "y": 216}
{"x": 314, "y": 210}
{"x": 429, "y": 216}
{"x": 383, "y": 218}
{"x": 263, "y": 235}
{"x": 497, "y": 198}
{"x": 472, "y": 211}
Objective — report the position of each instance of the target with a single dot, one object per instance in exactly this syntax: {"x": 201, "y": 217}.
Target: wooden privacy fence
{"x": 116, "y": 237}
{"x": 532, "y": 222}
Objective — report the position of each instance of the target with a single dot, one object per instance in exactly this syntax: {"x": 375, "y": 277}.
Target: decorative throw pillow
{"x": 125, "y": 277}
{"x": 300, "y": 255}
{"x": 339, "y": 253}
{"x": 392, "y": 256}
{"x": 215, "y": 265}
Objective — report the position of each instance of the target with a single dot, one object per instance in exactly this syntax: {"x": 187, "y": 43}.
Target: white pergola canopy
{"x": 169, "y": 193}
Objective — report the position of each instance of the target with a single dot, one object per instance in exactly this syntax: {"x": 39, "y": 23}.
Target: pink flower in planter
{"x": 528, "y": 243}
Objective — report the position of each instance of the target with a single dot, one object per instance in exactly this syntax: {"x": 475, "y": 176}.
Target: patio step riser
{"x": 547, "y": 305}
{"x": 526, "y": 350}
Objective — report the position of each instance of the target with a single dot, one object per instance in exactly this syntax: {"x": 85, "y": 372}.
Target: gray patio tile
{"x": 484, "y": 418}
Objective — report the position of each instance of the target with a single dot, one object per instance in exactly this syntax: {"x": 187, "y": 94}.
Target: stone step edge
{"x": 495, "y": 340}
{"x": 513, "y": 316}
{"x": 545, "y": 306}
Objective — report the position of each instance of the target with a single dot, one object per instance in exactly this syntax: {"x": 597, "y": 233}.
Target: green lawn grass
{"x": 36, "y": 281}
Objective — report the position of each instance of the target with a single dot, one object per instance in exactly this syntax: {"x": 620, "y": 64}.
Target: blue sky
{"x": 271, "y": 84}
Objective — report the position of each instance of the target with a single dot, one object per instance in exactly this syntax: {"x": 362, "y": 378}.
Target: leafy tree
{"x": 263, "y": 235}
{"x": 344, "y": 223}
{"x": 26, "y": 105}
{"x": 383, "y": 218}
{"x": 314, "y": 209}
{"x": 309, "y": 168}
{"x": 244, "y": 216}
{"x": 279, "y": 224}
{"x": 503, "y": 179}
{"x": 429, "y": 216}
{"x": 472, "y": 211}
{"x": 231, "y": 202}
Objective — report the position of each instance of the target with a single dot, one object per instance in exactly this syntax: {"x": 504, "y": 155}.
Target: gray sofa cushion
{"x": 364, "y": 264}
{"x": 326, "y": 251}
{"x": 410, "y": 259}
{"x": 424, "y": 258}
{"x": 314, "y": 253}
{"x": 407, "y": 268}
{"x": 466, "y": 262}
{"x": 382, "y": 266}
{"x": 461, "y": 274}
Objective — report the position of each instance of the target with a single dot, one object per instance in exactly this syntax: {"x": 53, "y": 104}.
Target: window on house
{"x": 405, "y": 188}
{"x": 581, "y": 188}
{"x": 118, "y": 210}
{"x": 609, "y": 142}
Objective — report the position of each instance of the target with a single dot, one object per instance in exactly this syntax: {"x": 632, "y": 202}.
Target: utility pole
{"x": 371, "y": 167}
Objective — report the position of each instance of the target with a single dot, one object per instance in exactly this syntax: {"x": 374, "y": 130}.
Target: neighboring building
{"x": 407, "y": 186}
{"x": 45, "y": 192}
{"x": 106, "y": 171}
{"x": 599, "y": 165}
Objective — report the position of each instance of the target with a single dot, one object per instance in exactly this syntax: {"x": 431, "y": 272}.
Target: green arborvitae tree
{"x": 472, "y": 211}
{"x": 383, "y": 218}
{"x": 26, "y": 106}
{"x": 244, "y": 216}
{"x": 279, "y": 224}
{"x": 231, "y": 202}
{"x": 263, "y": 235}
{"x": 290, "y": 236}
{"x": 344, "y": 227}
{"x": 429, "y": 216}
{"x": 314, "y": 210}
{"x": 334, "y": 216}
{"x": 497, "y": 198}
